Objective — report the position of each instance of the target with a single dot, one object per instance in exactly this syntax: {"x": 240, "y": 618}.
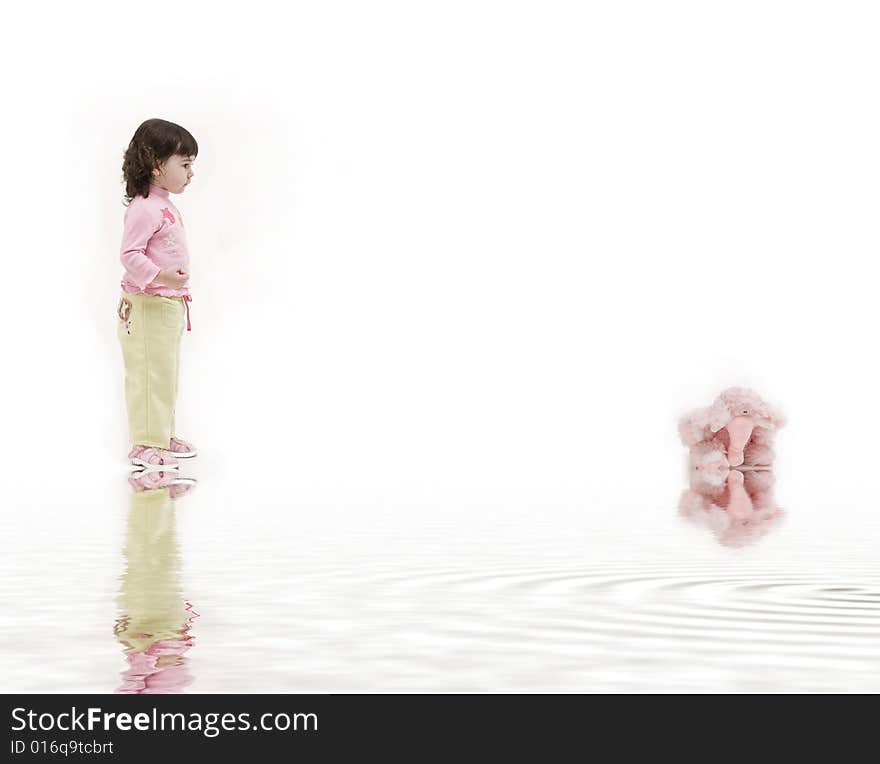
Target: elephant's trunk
{"x": 740, "y": 430}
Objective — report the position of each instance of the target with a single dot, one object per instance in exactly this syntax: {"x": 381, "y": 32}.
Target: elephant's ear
{"x": 775, "y": 418}
{"x": 719, "y": 414}
{"x": 691, "y": 427}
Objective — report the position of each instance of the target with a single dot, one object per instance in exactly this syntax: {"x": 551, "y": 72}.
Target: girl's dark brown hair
{"x": 155, "y": 141}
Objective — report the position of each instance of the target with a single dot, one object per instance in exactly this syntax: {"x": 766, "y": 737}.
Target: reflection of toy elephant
{"x": 739, "y": 510}
{"x": 739, "y": 426}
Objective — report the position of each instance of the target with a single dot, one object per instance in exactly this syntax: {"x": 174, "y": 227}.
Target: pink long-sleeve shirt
{"x": 153, "y": 238}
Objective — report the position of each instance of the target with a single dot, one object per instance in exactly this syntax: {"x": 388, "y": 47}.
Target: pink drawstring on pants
{"x": 186, "y": 301}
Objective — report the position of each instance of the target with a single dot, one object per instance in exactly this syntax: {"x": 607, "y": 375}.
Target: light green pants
{"x": 150, "y": 329}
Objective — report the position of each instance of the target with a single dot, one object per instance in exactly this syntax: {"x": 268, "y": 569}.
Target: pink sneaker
{"x": 151, "y": 458}
{"x": 150, "y": 480}
{"x": 181, "y": 449}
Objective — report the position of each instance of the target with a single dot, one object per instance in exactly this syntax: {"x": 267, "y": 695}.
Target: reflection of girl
{"x": 154, "y": 621}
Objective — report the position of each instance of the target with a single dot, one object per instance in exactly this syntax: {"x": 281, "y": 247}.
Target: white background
{"x": 499, "y": 246}
{"x": 467, "y": 257}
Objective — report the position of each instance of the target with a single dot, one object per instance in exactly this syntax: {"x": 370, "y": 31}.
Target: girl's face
{"x": 174, "y": 174}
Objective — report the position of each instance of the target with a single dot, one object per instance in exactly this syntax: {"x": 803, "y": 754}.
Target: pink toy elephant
{"x": 731, "y": 458}
{"x": 739, "y": 424}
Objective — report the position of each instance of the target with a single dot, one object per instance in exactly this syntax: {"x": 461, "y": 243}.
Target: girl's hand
{"x": 172, "y": 277}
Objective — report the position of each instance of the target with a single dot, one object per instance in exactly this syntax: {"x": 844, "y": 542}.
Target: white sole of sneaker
{"x": 139, "y": 464}
{"x": 184, "y": 454}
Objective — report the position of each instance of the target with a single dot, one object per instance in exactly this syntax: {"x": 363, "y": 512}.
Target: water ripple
{"x": 620, "y": 626}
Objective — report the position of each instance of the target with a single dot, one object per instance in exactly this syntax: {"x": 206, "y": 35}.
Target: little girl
{"x": 155, "y": 298}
